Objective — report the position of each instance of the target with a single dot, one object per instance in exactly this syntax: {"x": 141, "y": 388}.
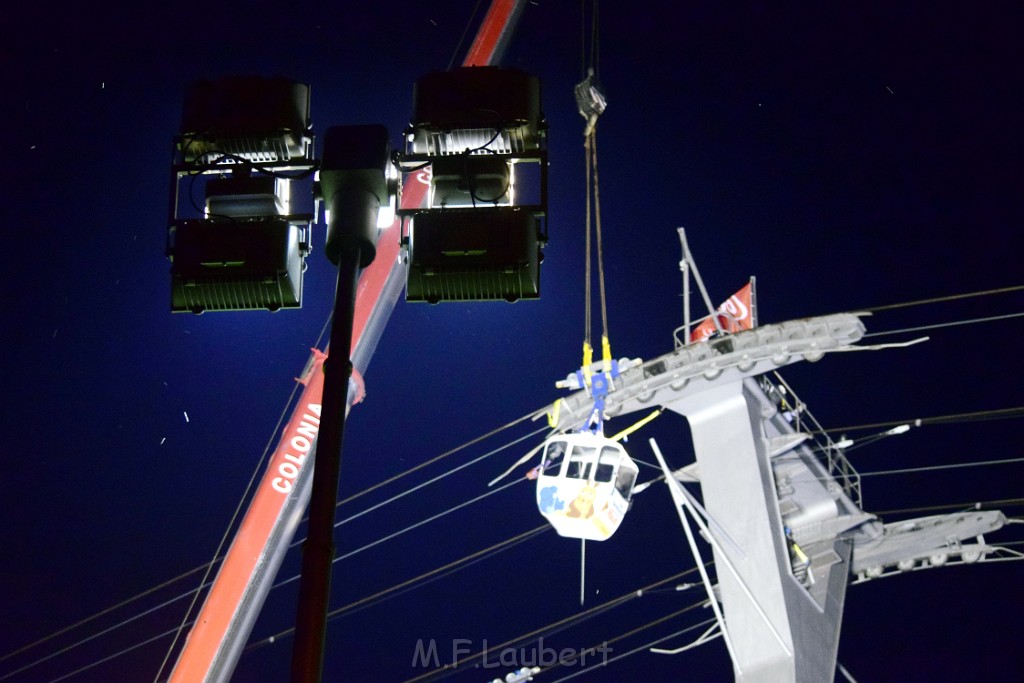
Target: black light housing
{"x": 359, "y": 186}
{"x": 244, "y": 142}
{"x": 481, "y": 234}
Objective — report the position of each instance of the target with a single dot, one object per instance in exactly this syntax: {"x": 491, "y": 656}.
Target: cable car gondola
{"x": 584, "y": 485}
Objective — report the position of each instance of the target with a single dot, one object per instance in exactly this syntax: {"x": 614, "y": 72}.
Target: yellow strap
{"x": 553, "y": 414}
{"x": 588, "y": 358}
{"x": 629, "y": 430}
{"x": 800, "y": 555}
{"x": 606, "y": 353}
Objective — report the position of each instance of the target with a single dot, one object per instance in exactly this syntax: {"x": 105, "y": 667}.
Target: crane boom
{"x": 237, "y": 594}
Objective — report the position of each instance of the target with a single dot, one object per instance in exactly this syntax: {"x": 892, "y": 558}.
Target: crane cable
{"x": 591, "y": 102}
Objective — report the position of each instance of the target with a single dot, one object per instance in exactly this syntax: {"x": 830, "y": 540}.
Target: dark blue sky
{"x": 849, "y": 157}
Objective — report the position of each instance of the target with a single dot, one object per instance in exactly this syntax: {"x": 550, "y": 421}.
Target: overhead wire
{"x": 207, "y": 568}
{"x": 370, "y": 545}
{"x": 438, "y": 458}
{"x": 974, "y": 505}
{"x": 955, "y": 323}
{"x": 97, "y": 615}
{"x": 641, "y": 648}
{"x": 393, "y": 591}
{"x": 416, "y": 525}
{"x": 257, "y": 470}
{"x": 998, "y": 414}
{"x": 660, "y": 620}
{"x": 1008, "y": 413}
{"x": 431, "y": 575}
{"x": 462, "y": 38}
{"x": 942, "y": 299}
{"x": 100, "y": 634}
{"x": 201, "y": 568}
{"x": 952, "y": 466}
{"x": 900, "y": 427}
{"x": 439, "y": 573}
{"x": 439, "y": 477}
{"x": 571, "y": 619}
{"x": 406, "y": 585}
{"x": 605, "y": 327}
{"x": 91, "y": 665}
{"x": 571, "y": 660}
{"x": 375, "y": 598}
{"x": 204, "y": 583}
{"x": 988, "y": 414}
{"x": 974, "y": 416}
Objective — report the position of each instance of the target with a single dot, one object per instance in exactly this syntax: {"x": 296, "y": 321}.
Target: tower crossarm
{"x": 925, "y": 543}
{"x": 694, "y": 368}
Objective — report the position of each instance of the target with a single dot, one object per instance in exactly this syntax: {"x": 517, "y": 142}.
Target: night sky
{"x": 850, "y": 156}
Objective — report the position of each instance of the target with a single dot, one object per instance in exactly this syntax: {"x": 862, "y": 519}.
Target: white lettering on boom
{"x": 300, "y": 442}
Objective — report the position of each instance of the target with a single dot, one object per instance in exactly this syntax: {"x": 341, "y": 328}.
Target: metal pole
{"x": 684, "y": 266}
{"x": 712, "y": 311}
{"x": 318, "y": 550}
{"x": 354, "y": 199}
{"x": 677, "y": 497}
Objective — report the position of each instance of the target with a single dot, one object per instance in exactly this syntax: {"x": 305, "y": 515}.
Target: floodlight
{"x": 480, "y": 235}
{"x": 244, "y": 142}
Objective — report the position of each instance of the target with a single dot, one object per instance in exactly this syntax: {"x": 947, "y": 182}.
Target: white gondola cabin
{"x": 584, "y": 485}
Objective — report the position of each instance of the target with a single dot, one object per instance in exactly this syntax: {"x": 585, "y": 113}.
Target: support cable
{"x": 408, "y": 584}
{"x": 462, "y": 38}
{"x": 953, "y": 418}
{"x": 97, "y": 615}
{"x": 111, "y": 629}
{"x": 955, "y": 323}
{"x": 411, "y": 584}
{"x": 1008, "y": 413}
{"x": 978, "y": 505}
{"x": 257, "y": 470}
{"x": 642, "y": 648}
{"x": 207, "y": 567}
{"x": 571, "y": 619}
{"x": 942, "y": 299}
{"x": 436, "y": 479}
{"x": 387, "y": 593}
{"x": 205, "y": 583}
{"x": 414, "y": 525}
{"x": 435, "y": 459}
{"x": 953, "y": 466}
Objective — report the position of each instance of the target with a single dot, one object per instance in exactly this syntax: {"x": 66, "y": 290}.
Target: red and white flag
{"x": 737, "y": 313}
